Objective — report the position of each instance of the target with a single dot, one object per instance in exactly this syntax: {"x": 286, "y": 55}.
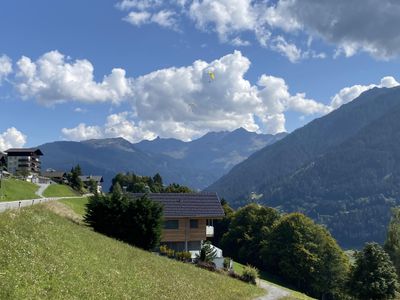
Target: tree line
{"x": 130, "y": 182}
{"x": 304, "y": 255}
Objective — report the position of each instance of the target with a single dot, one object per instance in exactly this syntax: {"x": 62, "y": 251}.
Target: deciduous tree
{"x": 306, "y": 256}
{"x": 374, "y": 276}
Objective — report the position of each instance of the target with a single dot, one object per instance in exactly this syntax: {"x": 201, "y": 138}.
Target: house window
{"x": 194, "y": 246}
{"x": 171, "y": 224}
{"x": 177, "y": 246}
{"x": 194, "y": 223}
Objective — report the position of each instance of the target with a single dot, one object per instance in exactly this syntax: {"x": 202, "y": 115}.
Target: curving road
{"x": 274, "y": 292}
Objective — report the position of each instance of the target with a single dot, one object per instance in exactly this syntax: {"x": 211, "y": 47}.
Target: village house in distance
{"x": 86, "y": 179}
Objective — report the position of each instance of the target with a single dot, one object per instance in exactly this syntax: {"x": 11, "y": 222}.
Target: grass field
{"x": 59, "y": 190}
{"x": 13, "y": 189}
{"x": 76, "y": 204}
{"x": 294, "y": 295}
{"x": 46, "y": 256}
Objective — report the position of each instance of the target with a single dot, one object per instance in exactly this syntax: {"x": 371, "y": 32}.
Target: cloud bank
{"x": 182, "y": 103}
{"x": 12, "y": 138}
{"x": 285, "y": 26}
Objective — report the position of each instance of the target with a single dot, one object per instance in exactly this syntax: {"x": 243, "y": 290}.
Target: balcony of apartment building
{"x": 24, "y": 165}
{"x": 26, "y": 159}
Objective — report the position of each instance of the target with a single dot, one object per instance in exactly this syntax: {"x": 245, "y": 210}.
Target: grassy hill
{"x": 76, "y": 204}
{"x": 46, "y": 256}
{"x": 12, "y": 189}
{"x": 59, "y": 190}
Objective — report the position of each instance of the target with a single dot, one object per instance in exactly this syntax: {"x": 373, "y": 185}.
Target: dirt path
{"x": 274, "y": 292}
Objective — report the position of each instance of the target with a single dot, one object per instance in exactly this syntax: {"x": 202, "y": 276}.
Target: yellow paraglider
{"x": 212, "y": 75}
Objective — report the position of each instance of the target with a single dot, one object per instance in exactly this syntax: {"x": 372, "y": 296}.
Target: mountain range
{"x": 197, "y": 163}
{"x": 342, "y": 169}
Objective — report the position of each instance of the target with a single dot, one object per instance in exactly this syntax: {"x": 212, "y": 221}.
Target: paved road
{"x": 274, "y": 292}
{"x": 42, "y": 187}
{"x": 23, "y": 203}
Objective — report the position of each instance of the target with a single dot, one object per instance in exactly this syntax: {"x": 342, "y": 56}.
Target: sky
{"x": 76, "y": 70}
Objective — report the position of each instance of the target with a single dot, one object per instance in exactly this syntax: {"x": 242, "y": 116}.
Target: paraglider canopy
{"x": 211, "y": 75}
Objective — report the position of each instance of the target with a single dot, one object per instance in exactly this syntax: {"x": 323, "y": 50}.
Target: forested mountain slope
{"x": 342, "y": 169}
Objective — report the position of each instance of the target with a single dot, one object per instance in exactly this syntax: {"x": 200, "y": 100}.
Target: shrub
{"x": 183, "y": 256}
{"x": 170, "y": 253}
{"x": 163, "y": 250}
{"x": 187, "y": 256}
{"x": 250, "y": 274}
{"x": 227, "y": 263}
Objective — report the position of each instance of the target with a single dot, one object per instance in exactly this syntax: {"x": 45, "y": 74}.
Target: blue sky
{"x": 277, "y": 65}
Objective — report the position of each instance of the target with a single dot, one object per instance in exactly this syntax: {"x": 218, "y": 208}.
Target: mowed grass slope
{"x": 45, "y": 256}
{"x": 59, "y": 190}
{"x": 13, "y": 189}
{"x": 78, "y": 205}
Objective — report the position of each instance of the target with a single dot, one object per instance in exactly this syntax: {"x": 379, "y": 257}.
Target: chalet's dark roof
{"x": 91, "y": 177}
{"x": 53, "y": 174}
{"x": 23, "y": 151}
{"x": 188, "y": 205}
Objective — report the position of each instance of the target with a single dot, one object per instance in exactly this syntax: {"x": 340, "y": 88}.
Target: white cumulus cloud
{"x": 348, "y": 94}
{"x": 225, "y": 17}
{"x": 53, "y": 78}
{"x": 12, "y": 138}
{"x": 82, "y": 132}
{"x": 5, "y": 67}
{"x": 186, "y": 103}
{"x": 164, "y": 18}
{"x": 117, "y": 125}
{"x": 138, "y": 18}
